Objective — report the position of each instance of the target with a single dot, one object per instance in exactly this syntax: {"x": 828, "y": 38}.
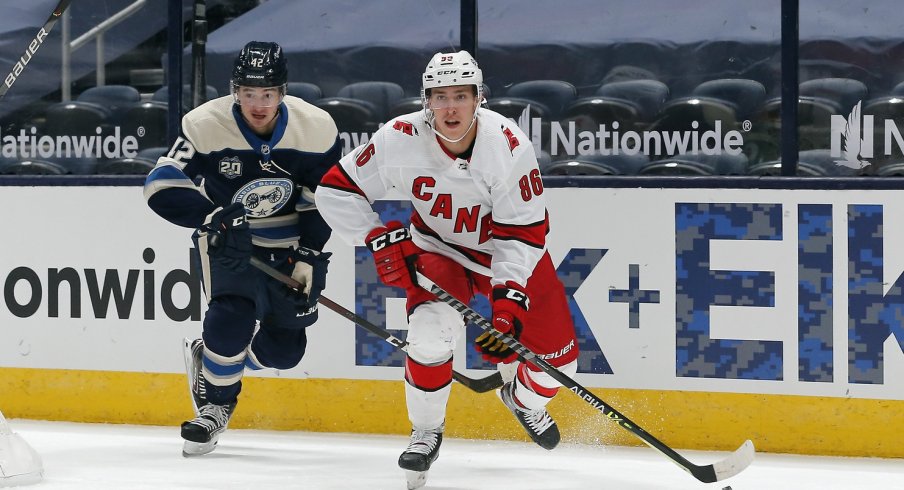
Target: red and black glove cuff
{"x": 510, "y": 292}
{"x": 385, "y": 236}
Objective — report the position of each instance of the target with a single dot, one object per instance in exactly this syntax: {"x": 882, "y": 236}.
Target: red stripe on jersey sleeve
{"x": 337, "y": 178}
{"x": 533, "y": 234}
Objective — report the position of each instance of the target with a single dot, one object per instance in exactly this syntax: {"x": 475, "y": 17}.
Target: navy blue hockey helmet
{"x": 260, "y": 64}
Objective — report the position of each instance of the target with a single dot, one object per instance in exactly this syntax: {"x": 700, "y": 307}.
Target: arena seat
{"x": 576, "y": 166}
{"x": 153, "y": 153}
{"x": 362, "y": 106}
{"x": 845, "y": 92}
{"x": 350, "y": 115}
{"x": 113, "y": 97}
{"x": 308, "y": 92}
{"x": 77, "y": 118}
{"x": 125, "y": 166}
{"x": 633, "y": 103}
{"x": 810, "y": 163}
{"x": 555, "y": 95}
{"x": 746, "y": 95}
{"x": 146, "y": 121}
{"x": 405, "y": 106}
{"x": 31, "y": 167}
{"x": 697, "y": 164}
{"x": 162, "y": 95}
{"x": 725, "y": 100}
{"x": 597, "y": 164}
{"x": 889, "y": 106}
{"x": 78, "y": 165}
{"x": 892, "y": 169}
{"x": 513, "y": 108}
{"x": 383, "y": 95}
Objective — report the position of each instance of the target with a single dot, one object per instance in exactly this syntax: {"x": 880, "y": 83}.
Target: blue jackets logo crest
{"x": 264, "y": 197}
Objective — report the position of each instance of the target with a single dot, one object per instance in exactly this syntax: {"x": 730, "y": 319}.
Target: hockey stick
{"x": 481, "y": 385}
{"x": 730, "y": 466}
{"x": 199, "y": 54}
{"x": 32, "y": 48}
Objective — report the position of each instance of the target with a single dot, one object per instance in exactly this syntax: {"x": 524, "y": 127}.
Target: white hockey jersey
{"x": 488, "y": 213}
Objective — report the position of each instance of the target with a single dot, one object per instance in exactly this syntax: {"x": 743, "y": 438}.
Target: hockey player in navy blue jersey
{"x": 258, "y": 155}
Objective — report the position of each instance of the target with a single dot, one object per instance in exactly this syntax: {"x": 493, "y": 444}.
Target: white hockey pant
{"x": 433, "y": 330}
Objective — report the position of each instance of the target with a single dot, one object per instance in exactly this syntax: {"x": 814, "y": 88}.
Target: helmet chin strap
{"x": 441, "y": 135}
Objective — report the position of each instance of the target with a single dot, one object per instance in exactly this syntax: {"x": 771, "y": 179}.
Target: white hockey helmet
{"x": 448, "y": 70}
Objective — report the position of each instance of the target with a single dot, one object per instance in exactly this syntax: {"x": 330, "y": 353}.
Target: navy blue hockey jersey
{"x": 217, "y": 160}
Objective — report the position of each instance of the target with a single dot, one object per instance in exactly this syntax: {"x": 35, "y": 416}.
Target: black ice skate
{"x": 538, "y": 424}
{"x": 202, "y": 432}
{"x": 192, "y": 351}
{"x": 422, "y": 451}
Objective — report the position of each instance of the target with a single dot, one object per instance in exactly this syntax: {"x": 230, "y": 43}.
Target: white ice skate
{"x": 20, "y": 464}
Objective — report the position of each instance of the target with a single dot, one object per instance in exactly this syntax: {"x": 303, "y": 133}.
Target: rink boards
{"x": 707, "y": 316}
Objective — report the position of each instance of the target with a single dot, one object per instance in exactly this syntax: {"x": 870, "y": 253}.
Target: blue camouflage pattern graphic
{"x": 574, "y": 269}
{"x": 873, "y": 316}
{"x": 814, "y": 293}
{"x": 697, "y": 288}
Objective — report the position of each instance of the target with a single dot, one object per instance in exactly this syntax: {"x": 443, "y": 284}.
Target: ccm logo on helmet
{"x": 447, "y": 72}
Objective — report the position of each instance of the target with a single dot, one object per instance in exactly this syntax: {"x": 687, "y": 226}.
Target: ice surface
{"x": 91, "y": 456}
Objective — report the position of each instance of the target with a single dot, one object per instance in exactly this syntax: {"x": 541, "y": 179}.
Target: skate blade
{"x": 191, "y": 449}
{"x": 21, "y": 480}
{"x": 186, "y": 356}
{"x": 416, "y": 479}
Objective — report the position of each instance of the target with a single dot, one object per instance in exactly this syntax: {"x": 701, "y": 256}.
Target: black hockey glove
{"x": 309, "y": 269}
{"x": 228, "y": 237}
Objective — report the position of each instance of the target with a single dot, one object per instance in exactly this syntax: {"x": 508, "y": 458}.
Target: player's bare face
{"x": 453, "y": 109}
{"x": 259, "y": 106}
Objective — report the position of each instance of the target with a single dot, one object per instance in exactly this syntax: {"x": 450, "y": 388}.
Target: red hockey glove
{"x": 394, "y": 254}
{"x": 509, "y": 302}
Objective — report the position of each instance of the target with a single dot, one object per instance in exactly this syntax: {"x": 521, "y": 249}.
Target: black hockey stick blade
{"x": 32, "y": 47}
{"x": 479, "y": 385}
{"x": 728, "y": 467}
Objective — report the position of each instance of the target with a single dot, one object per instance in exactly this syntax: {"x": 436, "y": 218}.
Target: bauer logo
{"x": 852, "y": 138}
{"x": 31, "y": 145}
{"x": 25, "y": 58}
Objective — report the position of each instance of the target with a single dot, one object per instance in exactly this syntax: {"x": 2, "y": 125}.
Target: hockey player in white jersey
{"x": 259, "y": 154}
{"x": 479, "y": 227}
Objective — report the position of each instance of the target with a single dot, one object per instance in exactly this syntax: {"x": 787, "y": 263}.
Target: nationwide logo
{"x": 853, "y": 145}
{"x": 565, "y": 139}
{"x": 31, "y": 145}
{"x": 608, "y": 140}
{"x": 852, "y": 138}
